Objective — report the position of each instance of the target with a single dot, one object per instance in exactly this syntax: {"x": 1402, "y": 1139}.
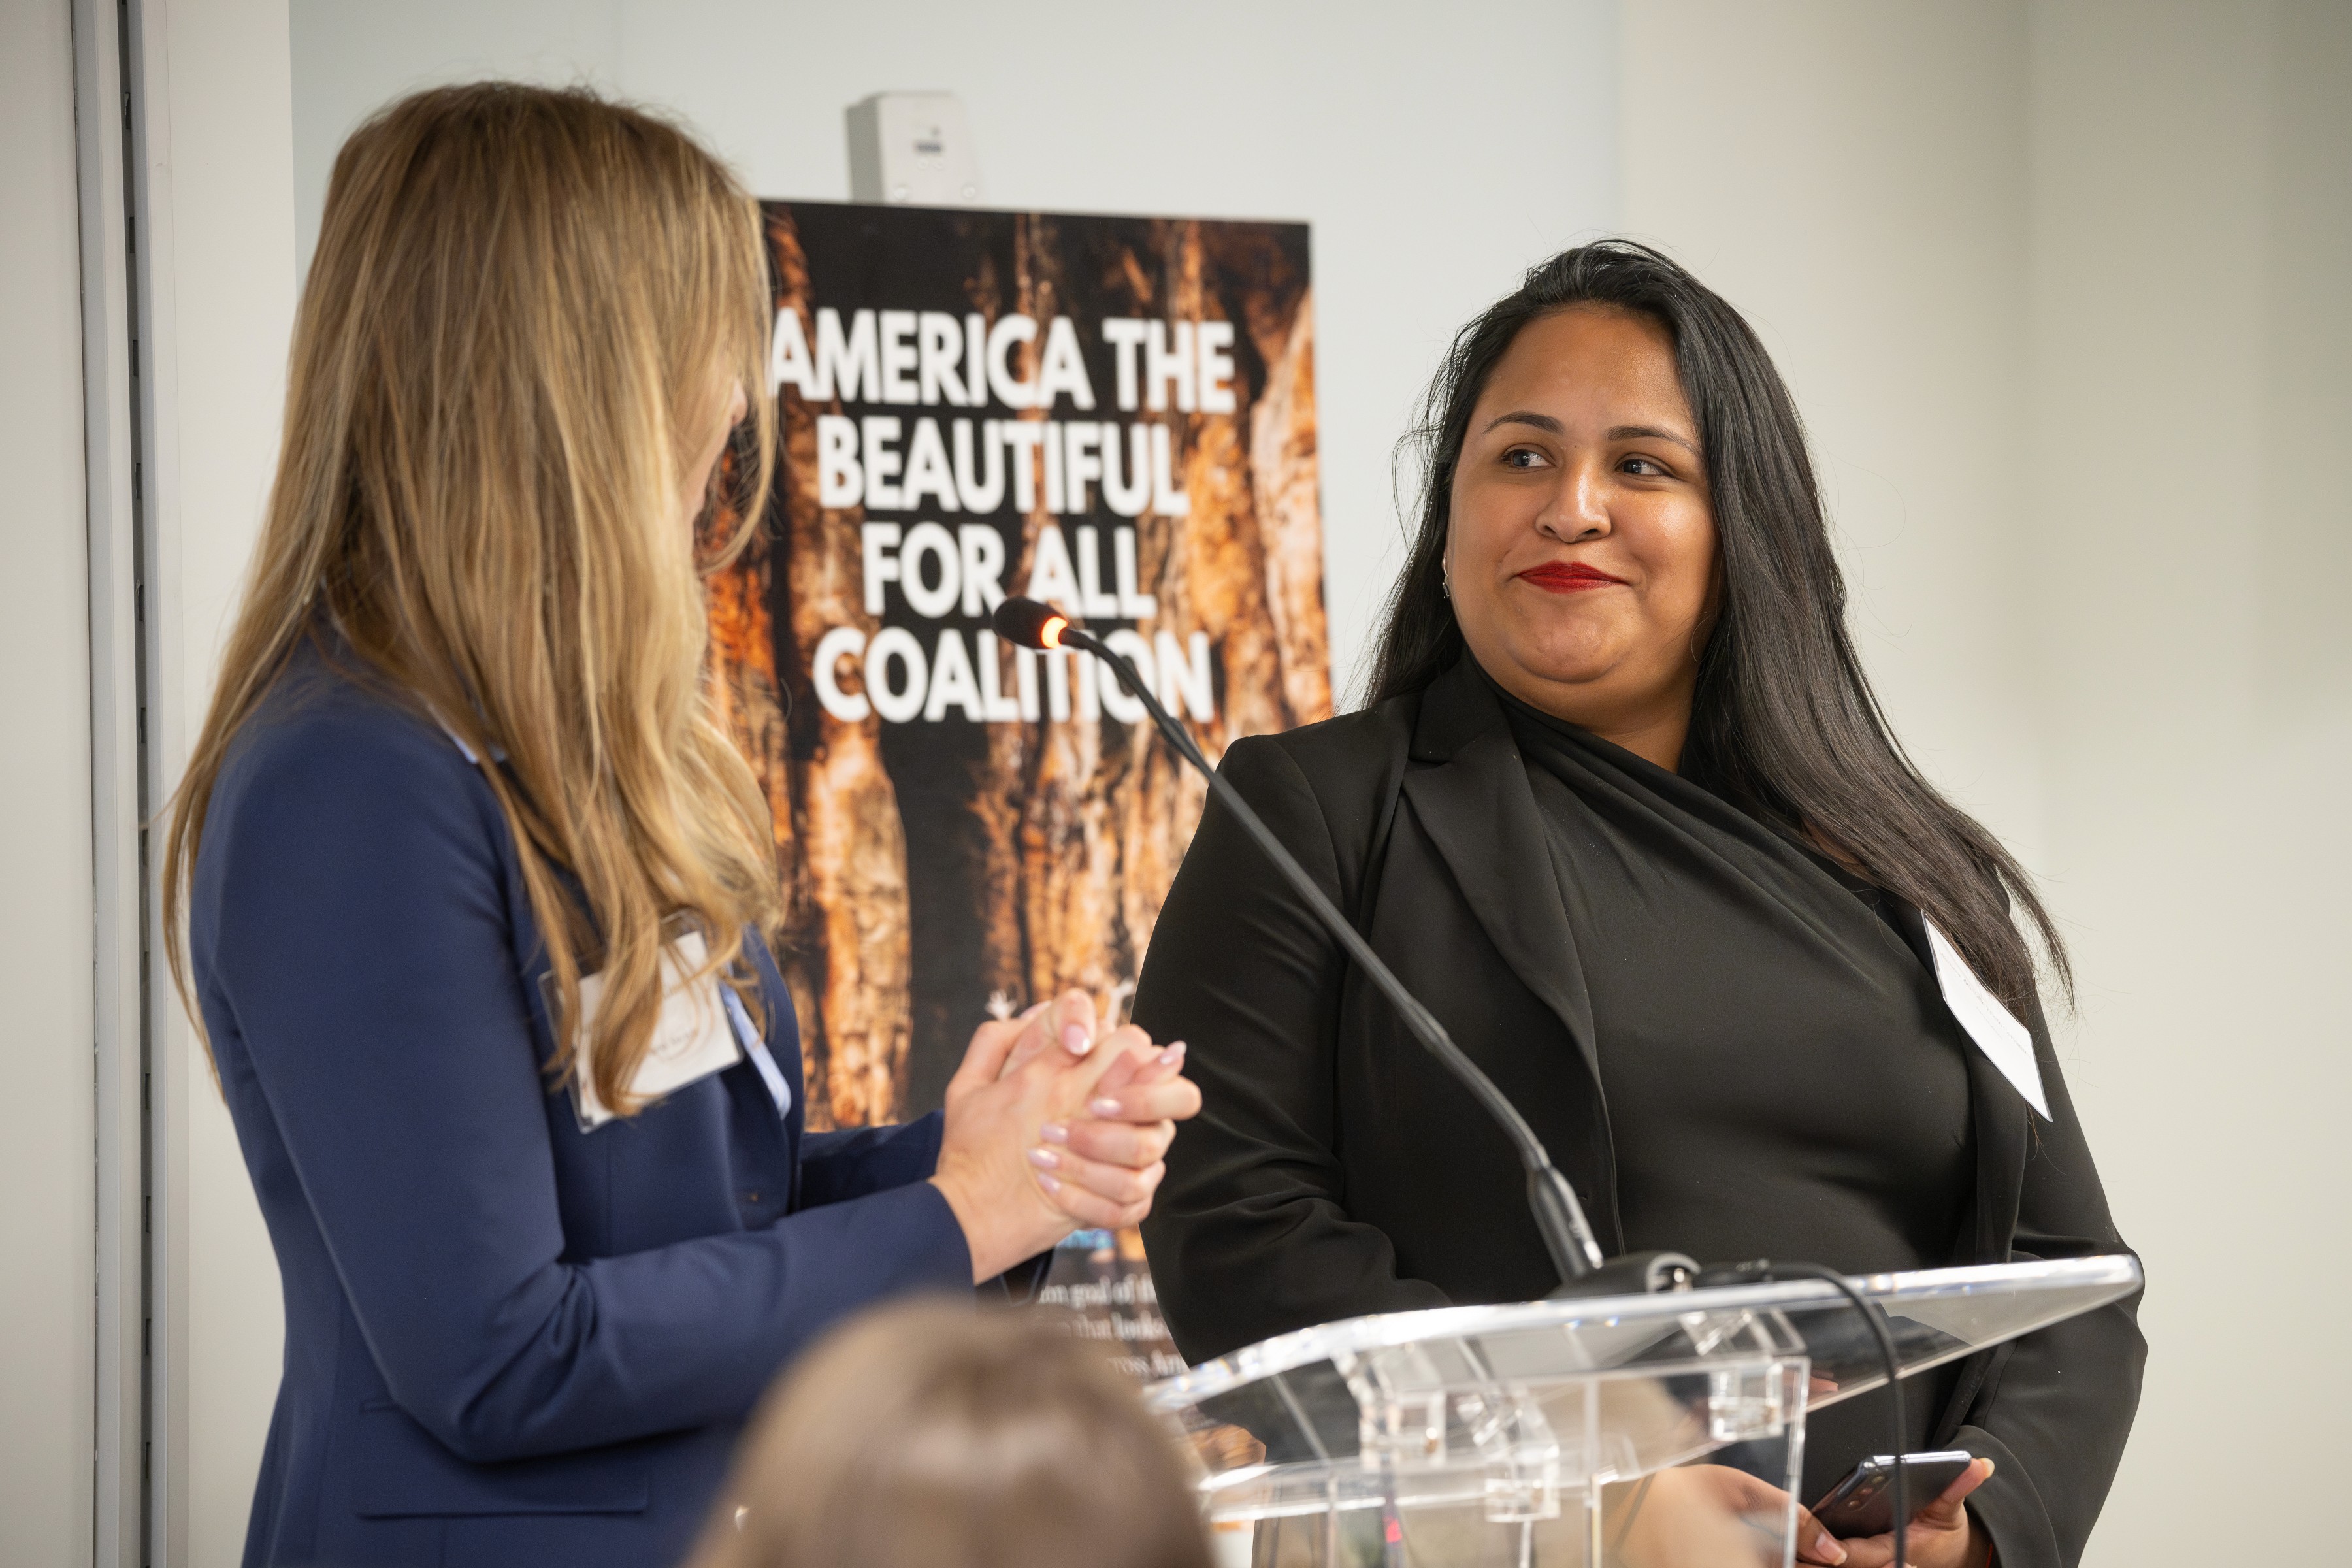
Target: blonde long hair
{"x": 522, "y": 307}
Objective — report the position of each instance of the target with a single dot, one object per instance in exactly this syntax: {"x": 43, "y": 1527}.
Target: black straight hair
{"x": 1784, "y": 723}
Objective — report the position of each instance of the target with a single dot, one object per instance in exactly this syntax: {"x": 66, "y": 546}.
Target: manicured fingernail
{"x": 1051, "y": 1183}
{"x": 1044, "y": 1159}
{"x": 1054, "y": 1132}
{"x": 1825, "y": 1546}
{"x": 1172, "y": 1055}
{"x": 1106, "y": 1106}
{"x": 1075, "y": 1040}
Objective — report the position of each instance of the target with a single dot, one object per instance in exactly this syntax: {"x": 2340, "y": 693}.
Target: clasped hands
{"x": 1052, "y": 1126}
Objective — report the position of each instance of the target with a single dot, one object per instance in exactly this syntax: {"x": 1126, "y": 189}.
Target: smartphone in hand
{"x": 1864, "y": 1503}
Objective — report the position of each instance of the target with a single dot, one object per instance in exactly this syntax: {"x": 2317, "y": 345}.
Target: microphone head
{"x": 1027, "y": 623}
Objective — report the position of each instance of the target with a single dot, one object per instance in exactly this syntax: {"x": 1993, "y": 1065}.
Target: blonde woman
{"x": 474, "y": 887}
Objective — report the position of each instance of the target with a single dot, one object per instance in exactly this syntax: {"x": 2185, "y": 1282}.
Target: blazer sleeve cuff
{"x": 905, "y": 1238}
{"x": 2007, "y": 1508}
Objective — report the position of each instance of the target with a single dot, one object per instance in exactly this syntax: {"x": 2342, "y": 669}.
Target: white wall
{"x": 2059, "y": 289}
{"x": 231, "y": 310}
{"x": 1435, "y": 158}
{"x": 1852, "y": 176}
{"x": 2192, "y": 540}
{"x": 48, "y": 1131}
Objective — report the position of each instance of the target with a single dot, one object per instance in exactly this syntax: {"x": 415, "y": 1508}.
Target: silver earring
{"x": 1445, "y": 582}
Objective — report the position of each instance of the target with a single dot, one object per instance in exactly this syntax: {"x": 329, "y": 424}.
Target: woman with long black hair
{"x": 1623, "y": 812}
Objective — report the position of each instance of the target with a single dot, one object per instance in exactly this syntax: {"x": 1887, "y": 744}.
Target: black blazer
{"x": 1336, "y": 1169}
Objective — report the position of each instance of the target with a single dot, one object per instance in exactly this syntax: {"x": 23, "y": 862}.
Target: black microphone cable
{"x": 1874, "y": 1316}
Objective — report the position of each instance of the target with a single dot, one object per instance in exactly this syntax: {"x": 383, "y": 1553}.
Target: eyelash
{"x": 1652, "y": 467}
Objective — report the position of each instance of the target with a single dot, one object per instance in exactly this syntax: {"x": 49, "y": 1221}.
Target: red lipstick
{"x": 1569, "y": 577}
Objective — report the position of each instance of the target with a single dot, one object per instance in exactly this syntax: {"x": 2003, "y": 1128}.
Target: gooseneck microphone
{"x": 1026, "y": 623}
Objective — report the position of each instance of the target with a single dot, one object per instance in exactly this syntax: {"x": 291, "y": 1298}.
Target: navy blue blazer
{"x": 508, "y": 1341}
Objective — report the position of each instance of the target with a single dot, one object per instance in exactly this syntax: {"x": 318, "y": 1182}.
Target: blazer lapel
{"x": 2001, "y": 1117}
{"x": 1478, "y": 810}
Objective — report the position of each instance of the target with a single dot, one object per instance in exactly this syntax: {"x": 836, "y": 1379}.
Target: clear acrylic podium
{"x": 1572, "y": 1434}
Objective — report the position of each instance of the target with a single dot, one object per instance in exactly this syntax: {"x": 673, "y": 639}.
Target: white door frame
{"x": 108, "y": 445}
{"x": 122, "y": 137}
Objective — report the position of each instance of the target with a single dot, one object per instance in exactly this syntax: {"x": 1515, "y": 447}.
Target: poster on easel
{"x": 1116, "y": 415}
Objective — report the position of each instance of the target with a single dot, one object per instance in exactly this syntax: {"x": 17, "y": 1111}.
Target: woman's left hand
{"x": 1942, "y": 1535}
{"x": 1132, "y": 1118}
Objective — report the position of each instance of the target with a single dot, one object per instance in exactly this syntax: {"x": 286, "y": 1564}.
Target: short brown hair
{"x": 929, "y": 1435}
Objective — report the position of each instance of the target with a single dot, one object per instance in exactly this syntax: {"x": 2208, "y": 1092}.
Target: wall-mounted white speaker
{"x": 912, "y": 149}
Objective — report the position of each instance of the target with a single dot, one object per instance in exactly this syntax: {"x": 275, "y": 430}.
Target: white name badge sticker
{"x": 1994, "y": 1028}
{"x": 693, "y": 1035}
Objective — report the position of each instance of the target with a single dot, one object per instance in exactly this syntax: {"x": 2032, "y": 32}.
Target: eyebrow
{"x": 1637, "y": 432}
{"x": 1545, "y": 422}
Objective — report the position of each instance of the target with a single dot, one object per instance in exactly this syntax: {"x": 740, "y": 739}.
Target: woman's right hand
{"x": 1018, "y": 1076}
{"x": 1943, "y": 1533}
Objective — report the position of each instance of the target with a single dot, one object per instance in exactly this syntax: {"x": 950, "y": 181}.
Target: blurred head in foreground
{"x": 930, "y": 1436}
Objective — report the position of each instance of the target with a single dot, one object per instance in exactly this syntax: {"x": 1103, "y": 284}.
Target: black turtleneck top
{"x": 1781, "y": 1075}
